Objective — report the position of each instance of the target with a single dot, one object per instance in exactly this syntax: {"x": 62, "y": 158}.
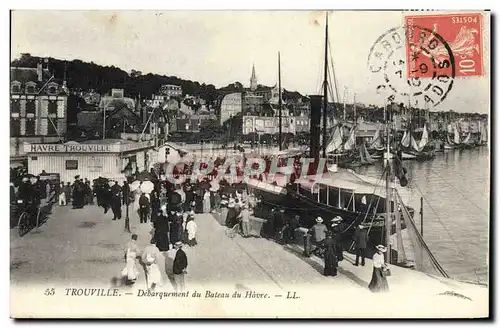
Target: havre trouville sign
{"x": 57, "y": 148}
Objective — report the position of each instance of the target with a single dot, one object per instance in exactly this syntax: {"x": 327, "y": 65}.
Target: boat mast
{"x": 279, "y": 103}
{"x": 325, "y": 87}
{"x": 345, "y": 100}
{"x": 410, "y": 130}
{"x": 388, "y": 197}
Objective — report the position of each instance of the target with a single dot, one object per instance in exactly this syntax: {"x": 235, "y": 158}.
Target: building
{"x": 253, "y": 79}
{"x": 109, "y": 158}
{"x": 114, "y": 100}
{"x": 252, "y": 104}
{"x": 38, "y": 108}
{"x": 230, "y": 106}
{"x": 191, "y": 123}
{"x": 302, "y": 124}
{"x": 170, "y": 90}
{"x": 268, "y": 125}
{"x": 156, "y": 101}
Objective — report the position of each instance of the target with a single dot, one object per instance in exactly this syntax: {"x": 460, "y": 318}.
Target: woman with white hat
{"x": 379, "y": 280}
{"x": 151, "y": 257}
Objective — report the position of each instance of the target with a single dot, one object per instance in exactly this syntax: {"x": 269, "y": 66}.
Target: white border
{"x": 197, "y": 5}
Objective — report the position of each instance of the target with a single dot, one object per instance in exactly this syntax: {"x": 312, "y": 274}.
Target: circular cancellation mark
{"x": 412, "y": 65}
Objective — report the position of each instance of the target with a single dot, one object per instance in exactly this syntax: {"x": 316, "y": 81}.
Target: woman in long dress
{"x": 191, "y": 228}
{"x": 206, "y": 202}
{"x": 151, "y": 258}
{"x": 161, "y": 231}
{"x": 131, "y": 271}
{"x": 137, "y": 195}
{"x": 330, "y": 256}
{"x": 379, "y": 281}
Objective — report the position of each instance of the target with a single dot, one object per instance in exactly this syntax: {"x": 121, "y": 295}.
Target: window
{"x": 71, "y": 164}
{"x": 16, "y": 87}
{"x": 52, "y": 107}
{"x": 15, "y": 128}
{"x": 51, "y": 129}
{"x": 30, "y": 127}
{"x": 15, "y": 106}
{"x": 30, "y": 88}
{"x": 52, "y": 89}
{"x": 30, "y": 107}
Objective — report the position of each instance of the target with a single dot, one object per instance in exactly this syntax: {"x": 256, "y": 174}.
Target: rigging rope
{"x": 413, "y": 183}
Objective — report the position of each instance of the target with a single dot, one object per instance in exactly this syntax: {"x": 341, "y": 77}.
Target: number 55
{"x": 49, "y": 292}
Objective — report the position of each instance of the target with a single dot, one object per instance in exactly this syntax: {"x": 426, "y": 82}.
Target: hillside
{"x": 86, "y": 76}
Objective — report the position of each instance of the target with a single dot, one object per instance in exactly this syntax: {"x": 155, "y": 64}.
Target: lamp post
{"x": 127, "y": 199}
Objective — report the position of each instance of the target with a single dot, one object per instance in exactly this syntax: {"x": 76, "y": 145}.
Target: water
{"x": 455, "y": 186}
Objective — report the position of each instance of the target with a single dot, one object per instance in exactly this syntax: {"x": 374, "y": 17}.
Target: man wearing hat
{"x": 337, "y": 230}
{"x": 179, "y": 267}
{"x": 176, "y": 228}
{"x": 232, "y": 215}
{"x": 319, "y": 230}
{"x": 245, "y": 220}
{"x": 279, "y": 224}
{"x": 360, "y": 242}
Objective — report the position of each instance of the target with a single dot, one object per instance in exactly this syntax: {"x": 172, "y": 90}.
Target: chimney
{"x": 39, "y": 71}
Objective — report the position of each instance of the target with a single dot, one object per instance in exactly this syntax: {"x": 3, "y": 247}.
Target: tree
{"x": 210, "y": 130}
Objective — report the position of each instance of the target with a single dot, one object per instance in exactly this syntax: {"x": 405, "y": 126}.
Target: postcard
{"x": 250, "y": 164}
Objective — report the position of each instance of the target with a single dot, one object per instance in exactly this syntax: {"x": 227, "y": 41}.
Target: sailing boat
{"x": 483, "y": 138}
{"x": 451, "y": 144}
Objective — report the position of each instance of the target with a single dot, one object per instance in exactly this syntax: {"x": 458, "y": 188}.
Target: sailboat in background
{"x": 483, "y": 137}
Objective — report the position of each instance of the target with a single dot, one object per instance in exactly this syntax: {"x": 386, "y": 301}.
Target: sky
{"x": 219, "y": 47}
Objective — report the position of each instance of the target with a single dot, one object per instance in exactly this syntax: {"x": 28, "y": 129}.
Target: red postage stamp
{"x": 459, "y": 34}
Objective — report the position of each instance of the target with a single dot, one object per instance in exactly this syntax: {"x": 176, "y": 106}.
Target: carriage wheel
{"x": 23, "y": 224}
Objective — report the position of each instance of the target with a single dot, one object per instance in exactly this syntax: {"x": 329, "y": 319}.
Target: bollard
{"x": 307, "y": 244}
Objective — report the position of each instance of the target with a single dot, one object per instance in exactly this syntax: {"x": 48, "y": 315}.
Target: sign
{"x": 86, "y": 148}
{"x": 76, "y": 148}
{"x": 71, "y": 164}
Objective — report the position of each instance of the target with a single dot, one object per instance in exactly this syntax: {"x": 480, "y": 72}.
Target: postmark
{"x": 432, "y": 78}
{"x": 462, "y": 32}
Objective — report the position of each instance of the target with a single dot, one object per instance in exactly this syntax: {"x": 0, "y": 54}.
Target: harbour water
{"x": 456, "y": 190}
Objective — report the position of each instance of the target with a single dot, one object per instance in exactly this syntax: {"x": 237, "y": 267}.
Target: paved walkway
{"x": 85, "y": 248}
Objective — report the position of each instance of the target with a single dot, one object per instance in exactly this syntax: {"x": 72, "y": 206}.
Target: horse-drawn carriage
{"x": 29, "y": 212}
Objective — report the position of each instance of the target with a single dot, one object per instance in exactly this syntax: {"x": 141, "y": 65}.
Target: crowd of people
{"x": 170, "y": 209}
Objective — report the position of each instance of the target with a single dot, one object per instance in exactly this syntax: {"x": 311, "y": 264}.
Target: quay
{"x": 83, "y": 248}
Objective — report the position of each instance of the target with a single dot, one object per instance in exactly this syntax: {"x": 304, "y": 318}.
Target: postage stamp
{"x": 462, "y": 32}
{"x": 433, "y": 73}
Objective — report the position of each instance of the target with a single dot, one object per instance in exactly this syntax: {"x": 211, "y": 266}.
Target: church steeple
{"x": 253, "y": 79}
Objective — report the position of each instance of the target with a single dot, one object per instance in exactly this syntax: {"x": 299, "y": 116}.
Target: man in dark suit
{"x": 360, "y": 240}
{"x": 179, "y": 267}
{"x": 116, "y": 203}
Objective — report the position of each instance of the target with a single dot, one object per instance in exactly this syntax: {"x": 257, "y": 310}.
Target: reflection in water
{"x": 455, "y": 187}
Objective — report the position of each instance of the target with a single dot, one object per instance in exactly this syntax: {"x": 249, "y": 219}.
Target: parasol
{"x": 147, "y": 187}
{"x": 214, "y": 186}
{"x": 134, "y": 185}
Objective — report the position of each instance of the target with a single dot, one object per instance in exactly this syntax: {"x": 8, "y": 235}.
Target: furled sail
{"x": 351, "y": 141}
{"x": 336, "y": 141}
{"x": 361, "y": 157}
{"x": 377, "y": 140}
{"x": 484, "y": 136}
{"x": 415, "y": 145}
{"x": 368, "y": 157}
{"x": 405, "y": 141}
{"x": 466, "y": 140}
{"x": 456, "y": 134}
{"x": 425, "y": 138}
